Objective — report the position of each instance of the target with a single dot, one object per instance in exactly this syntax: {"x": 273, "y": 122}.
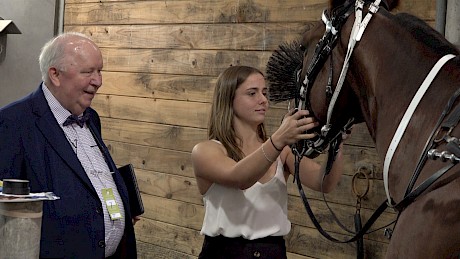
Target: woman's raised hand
{"x": 294, "y": 128}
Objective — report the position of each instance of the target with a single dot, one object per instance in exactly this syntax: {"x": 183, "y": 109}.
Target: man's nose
{"x": 96, "y": 78}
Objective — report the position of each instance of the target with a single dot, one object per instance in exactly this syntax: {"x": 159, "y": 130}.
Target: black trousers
{"x": 220, "y": 247}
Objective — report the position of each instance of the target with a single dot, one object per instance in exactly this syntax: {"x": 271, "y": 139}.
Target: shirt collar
{"x": 59, "y": 112}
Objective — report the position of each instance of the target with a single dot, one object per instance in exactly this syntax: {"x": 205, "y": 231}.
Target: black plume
{"x": 281, "y": 72}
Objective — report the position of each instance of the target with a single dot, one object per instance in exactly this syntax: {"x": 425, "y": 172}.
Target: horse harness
{"x": 331, "y": 139}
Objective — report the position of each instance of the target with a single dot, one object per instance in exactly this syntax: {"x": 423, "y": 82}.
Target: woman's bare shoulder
{"x": 208, "y": 147}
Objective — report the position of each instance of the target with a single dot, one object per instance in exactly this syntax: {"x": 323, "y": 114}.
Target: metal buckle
{"x": 443, "y": 137}
{"x": 373, "y": 8}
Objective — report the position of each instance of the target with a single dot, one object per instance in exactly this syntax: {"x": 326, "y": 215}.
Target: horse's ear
{"x": 335, "y": 3}
{"x": 391, "y": 4}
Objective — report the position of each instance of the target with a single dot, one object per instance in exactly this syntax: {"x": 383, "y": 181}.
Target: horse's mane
{"x": 389, "y": 4}
{"x": 418, "y": 28}
{"x": 421, "y": 31}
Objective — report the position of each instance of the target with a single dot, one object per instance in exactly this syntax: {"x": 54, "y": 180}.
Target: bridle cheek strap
{"x": 356, "y": 33}
{"x": 324, "y": 48}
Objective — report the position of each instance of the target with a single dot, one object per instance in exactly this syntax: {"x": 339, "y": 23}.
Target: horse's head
{"x": 312, "y": 74}
{"x": 324, "y": 48}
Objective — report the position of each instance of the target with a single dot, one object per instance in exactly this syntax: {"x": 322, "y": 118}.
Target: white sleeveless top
{"x": 256, "y": 212}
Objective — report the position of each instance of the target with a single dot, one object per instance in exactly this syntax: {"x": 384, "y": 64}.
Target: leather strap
{"x": 429, "y": 144}
{"x": 453, "y": 119}
{"x": 318, "y": 226}
{"x": 406, "y": 118}
{"x": 408, "y": 199}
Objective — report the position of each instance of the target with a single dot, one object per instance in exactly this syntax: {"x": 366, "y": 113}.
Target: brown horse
{"x": 386, "y": 68}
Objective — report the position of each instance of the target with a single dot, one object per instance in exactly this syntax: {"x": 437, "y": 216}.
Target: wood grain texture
{"x": 180, "y": 62}
{"x": 203, "y": 11}
{"x": 159, "y": 86}
{"x": 233, "y": 36}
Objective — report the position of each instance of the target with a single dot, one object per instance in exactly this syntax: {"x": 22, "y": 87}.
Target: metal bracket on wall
{"x": 6, "y": 27}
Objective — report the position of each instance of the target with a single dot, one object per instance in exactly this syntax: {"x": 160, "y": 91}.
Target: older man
{"x": 53, "y": 139}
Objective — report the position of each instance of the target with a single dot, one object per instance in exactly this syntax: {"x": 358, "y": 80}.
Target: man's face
{"x": 80, "y": 77}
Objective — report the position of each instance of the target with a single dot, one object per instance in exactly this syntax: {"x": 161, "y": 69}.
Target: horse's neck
{"x": 391, "y": 69}
{"x": 388, "y": 70}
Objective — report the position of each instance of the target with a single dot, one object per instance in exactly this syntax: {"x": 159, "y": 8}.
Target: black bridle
{"x": 328, "y": 137}
{"x": 325, "y": 137}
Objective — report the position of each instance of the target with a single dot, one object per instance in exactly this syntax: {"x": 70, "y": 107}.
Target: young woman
{"x": 242, "y": 174}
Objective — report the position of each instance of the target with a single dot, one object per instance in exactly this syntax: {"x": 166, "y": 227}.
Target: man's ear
{"x": 53, "y": 74}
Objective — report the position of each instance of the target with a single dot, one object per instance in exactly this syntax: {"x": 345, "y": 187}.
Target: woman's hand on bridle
{"x": 294, "y": 127}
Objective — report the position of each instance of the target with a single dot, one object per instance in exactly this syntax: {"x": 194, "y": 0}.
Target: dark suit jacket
{"x": 34, "y": 147}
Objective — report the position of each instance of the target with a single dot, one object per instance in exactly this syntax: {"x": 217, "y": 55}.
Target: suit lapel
{"x": 52, "y": 132}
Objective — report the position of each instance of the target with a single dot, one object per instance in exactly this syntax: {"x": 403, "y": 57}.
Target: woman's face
{"x": 250, "y": 103}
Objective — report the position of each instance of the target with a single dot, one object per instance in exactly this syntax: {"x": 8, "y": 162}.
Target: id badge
{"x": 111, "y": 204}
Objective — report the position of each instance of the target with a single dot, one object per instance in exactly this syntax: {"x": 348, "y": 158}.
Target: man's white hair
{"x": 52, "y": 53}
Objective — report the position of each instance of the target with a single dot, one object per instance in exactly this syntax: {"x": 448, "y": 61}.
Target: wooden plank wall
{"x": 161, "y": 59}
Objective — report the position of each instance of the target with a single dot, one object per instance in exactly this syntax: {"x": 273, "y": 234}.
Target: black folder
{"x": 135, "y": 200}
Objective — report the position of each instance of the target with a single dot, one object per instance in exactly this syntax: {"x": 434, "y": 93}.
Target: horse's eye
{"x": 302, "y": 47}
